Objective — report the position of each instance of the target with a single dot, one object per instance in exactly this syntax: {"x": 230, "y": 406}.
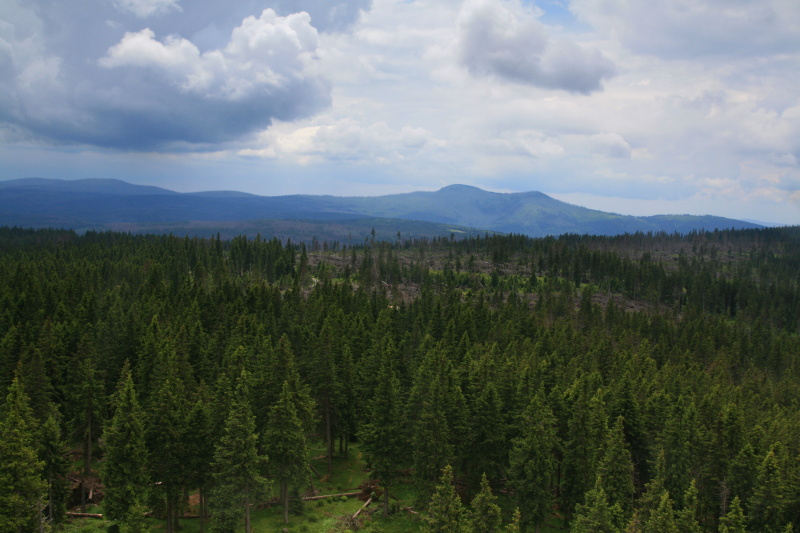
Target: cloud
{"x": 146, "y": 8}
{"x": 344, "y": 140}
{"x": 609, "y": 145}
{"x": 695, "y": 28}
{"x": 329, "y": 15}
{"x": 263, "y": 55}
{"x": 503, "y": 40}
{"x": 145, "y": 92}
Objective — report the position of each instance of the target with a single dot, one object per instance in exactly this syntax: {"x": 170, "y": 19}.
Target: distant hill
{"x": 114, "y": 204}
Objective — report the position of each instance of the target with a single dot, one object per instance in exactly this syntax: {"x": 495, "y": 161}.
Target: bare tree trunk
{"x": 50, "y": 497}
{"x": 329, "y": 437}
{"x": 202, "y": 511}
{"x": 247, "y": 515}
{"x": 39, "y": 507}
{"x": 386, "y": 501}
{"x": 170, "y": 508}
{"x": 285, "y": 498}
{"x": 87, "y": 461}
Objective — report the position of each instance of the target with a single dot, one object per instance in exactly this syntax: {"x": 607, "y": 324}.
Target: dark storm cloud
{"x": 494, "y": 41}
{"x": 160, "y": 74}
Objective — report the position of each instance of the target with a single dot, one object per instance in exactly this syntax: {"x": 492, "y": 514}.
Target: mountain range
{"x": 99, "y": 204}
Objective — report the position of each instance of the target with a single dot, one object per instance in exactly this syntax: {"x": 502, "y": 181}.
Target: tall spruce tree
{"x": 85, "y": 399}
{"x": 285, "y": 442}
{"x": 22, "y": 489}
{"x": 768, "y": 503}
{"x": 596, "y": 515}
{"x": 446, "y": 513}
{"x": 437, "y": 411}
{"x": 662, "y": 519}
{"x": 324, "y": 381}
{"x": 734, "y": 520}
{"x": 484, "y": 511}
{"x": 383, "y": 434}
{"x": 54, "y": 450}
{"x": 200, "y": 450}
{"x": 239, "y": 481}
{"x": 165, "y": 436}
{"x": 616, "y": 469}
{"x": 124, "y": 473}
{"x": 532, "y": 462}
{"x": 686, "y": 518}
{"x": 586, "y": 429}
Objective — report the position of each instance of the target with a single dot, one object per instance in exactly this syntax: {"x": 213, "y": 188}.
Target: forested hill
{"x": 116, "y": 205}
{"x": 631, "y": 383}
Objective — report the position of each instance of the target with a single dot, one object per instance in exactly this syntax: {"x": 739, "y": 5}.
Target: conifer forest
{"x": 640, "y": 383}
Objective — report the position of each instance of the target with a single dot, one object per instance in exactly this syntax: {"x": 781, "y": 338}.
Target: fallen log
{"x": 348, "y": 494}
{"x": 366, "y": 503}
{"x": 85, "y": 515}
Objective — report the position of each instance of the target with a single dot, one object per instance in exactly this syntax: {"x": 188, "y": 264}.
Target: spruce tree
{"x": 124, "y": 473}
{"x": 446, "y": 513}
{"x": 596, "y": 515}
{"x": 734, "y": 520}
{"x": 532, "y": 461}
{"x": 22, "y": 489}
{"x": 324, "y": 381}
{"x": 514, "y": 526}
{"x": 285, "y": 442}
{"x": 489, "y": 448}
{"x": 484, "y": 512}
{"x": 662, "y": 519}
{"x": 199, "y": 450}
{"x": 586, "y": 429}
{"x": 616, "y": 469}
{"x": 383, "y": 433}
{"x": 85, "y": 398}
{"x": 165, "y": 436}
{"x": 768, "y": 503}
{"x": 437, "y": 411}
{"x": 651, "y": 498}
{"x": 238, "y": 468}
{"x": 54, "y": 450}
{"x": 687, "y": 517}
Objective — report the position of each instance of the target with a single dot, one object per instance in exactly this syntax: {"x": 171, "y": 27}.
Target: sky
{"x": 629, "y": 106}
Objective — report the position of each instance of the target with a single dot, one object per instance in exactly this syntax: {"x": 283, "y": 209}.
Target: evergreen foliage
{"x": 125, "y": 473}
{"x": 446, "y": 513}
{"x": 383, "y": 432}
{"x": 22, "y": 489}
{"x": 484, "y": 511}
{"x": 532, "y": 462}
{"x": 597, "y": 515}
{"x": 285, "y": 443}
{"x": 239, "y": 481}
{"x": 734, "y": 521}
{"x": 607, "y": 378}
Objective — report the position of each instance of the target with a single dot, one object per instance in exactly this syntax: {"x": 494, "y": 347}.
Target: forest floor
{"x": 333, "y": 514}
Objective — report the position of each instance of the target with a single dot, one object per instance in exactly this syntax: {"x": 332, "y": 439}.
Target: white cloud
{"x": 694, "y": 28}
{"x": 147, "y": 8}
{"x": 343, "y": 140}
{"x": 328, "y": 15}
{"x": 502, "y": 39}
{"x": 263, "y": 55}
